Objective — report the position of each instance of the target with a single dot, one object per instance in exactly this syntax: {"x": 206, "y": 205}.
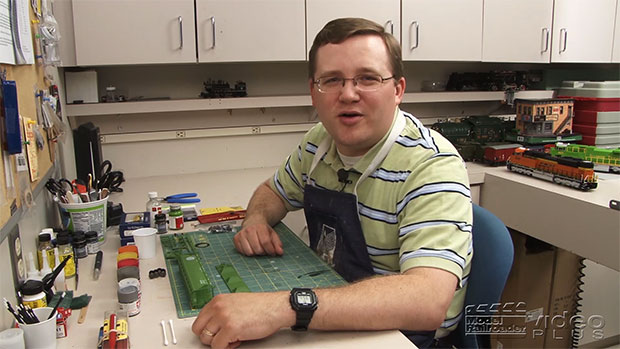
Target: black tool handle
{"x": 98, "y": 260}
{"x": 48, "y": 280}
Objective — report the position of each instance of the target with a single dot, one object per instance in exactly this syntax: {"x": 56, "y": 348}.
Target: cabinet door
{"x": 442, "y": 30}
{"x": 250, "y": 30}
{"x": 616, "y": 49}
{"x": 517, "y": 31}
{"x": 134, "y": 31}
{"x": 583, "y": 30}
{"x": 384, "y": 12}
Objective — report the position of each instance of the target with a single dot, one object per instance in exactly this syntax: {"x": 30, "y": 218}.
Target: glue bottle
{"x": 46, "y": 266}
{"x": 59, "y": 282}
{"x": 33, "y": 272}
{"x": 152, "y": 207}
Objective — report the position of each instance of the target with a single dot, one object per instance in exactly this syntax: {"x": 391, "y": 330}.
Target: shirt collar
{"x": 333, "y": 160}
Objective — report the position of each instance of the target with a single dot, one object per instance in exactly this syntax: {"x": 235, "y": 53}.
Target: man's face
{"x": 356, "y": 119}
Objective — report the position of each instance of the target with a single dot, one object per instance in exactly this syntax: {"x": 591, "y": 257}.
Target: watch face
{"x": 304, "y": 298}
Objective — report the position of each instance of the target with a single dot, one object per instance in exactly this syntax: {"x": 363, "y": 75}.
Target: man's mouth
{"x": 350, "y": 114}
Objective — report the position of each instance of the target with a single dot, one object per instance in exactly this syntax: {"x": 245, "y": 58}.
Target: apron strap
{"x": 385, "y": 149}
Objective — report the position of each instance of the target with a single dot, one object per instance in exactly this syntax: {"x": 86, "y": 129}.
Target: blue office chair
{"x": 490, "y": 266}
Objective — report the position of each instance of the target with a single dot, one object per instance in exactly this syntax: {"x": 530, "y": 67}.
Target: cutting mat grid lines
{"x": 298, "y": 267}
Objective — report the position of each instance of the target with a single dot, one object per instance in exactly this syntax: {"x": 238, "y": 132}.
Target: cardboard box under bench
{"x": 538, "y": 304}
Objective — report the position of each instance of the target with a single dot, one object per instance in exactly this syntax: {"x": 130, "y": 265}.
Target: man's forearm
{"x": 408, "y": 302}
{"x": 265, "y": 206}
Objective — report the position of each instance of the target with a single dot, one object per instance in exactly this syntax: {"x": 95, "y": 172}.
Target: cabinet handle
{"x": 391, "y": 24}
{"x": 181, "y": 31}
{"x": 213, "y": 30}
{"x": 545, "y": 39}
{"x": 564, "y": 36}
{"x": 415, "y": 25}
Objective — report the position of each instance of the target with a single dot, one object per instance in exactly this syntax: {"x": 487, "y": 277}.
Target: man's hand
{"x": 231, "y": 318}
{"x": 258, "y": 239}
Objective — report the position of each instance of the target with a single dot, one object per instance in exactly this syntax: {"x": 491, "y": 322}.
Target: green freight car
{"x": 607, "y": 160}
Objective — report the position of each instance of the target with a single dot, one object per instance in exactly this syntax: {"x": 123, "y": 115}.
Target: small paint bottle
{"x": 79, "y": 243}
{"x": 161, "y": 223}
{"x": 92, "y": 242}
{"x": 128, "y": 300}
{"x": 65, "y": 249}
{"x": 176, "y": 217}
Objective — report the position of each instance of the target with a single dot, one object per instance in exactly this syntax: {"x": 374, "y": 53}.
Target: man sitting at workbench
{"x": 387, "y": 204}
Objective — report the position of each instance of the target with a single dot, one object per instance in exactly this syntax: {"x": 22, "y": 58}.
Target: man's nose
{"x": 349, "y": 90}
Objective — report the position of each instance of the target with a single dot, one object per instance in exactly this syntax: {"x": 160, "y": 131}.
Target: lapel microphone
{"x": 343, "y": 176}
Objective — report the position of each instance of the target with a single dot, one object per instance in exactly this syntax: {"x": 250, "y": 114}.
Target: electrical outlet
{"x": 17, "y": 260}
{"x": 102, "y": 139}
{"x": 256, "y": 130}
{"x": 180, "y": 134}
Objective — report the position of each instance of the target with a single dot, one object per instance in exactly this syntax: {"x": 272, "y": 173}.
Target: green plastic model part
{"x": 197, "y": 283}
{"x": 231, "y": 278}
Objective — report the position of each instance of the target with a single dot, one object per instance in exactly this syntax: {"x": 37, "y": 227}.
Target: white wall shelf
{"x": 185, "y": 105}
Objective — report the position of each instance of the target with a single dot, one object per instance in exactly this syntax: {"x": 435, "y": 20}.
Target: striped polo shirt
{"x": 415, "y": 208}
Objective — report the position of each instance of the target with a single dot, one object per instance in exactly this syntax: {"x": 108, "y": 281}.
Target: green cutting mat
{"x": 298, "y": 267}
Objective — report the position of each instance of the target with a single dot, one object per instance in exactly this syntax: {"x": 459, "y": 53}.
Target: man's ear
{"x": 313, "y": 90}
{"x": 401, "y": 84}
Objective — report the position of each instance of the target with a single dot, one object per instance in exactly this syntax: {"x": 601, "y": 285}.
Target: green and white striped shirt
{"x": 415, "y": 208}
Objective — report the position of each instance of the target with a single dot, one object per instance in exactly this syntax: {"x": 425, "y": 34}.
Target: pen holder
{"x": 43, "y": 333}
{"x": 85, "y": 216}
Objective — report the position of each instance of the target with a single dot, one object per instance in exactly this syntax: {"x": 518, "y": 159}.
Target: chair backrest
{"x": 490, "y": 266}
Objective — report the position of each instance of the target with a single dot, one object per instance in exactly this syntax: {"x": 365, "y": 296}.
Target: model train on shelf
{"x": 575, "y": 173}
{"x": 607, "y": 160}
{"x": 222, "y": 89}
{"x": 494, "y": 80}
{"x": 479, "y": 138}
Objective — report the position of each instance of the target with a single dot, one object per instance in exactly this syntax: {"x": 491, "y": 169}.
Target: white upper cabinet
{"x": 250, "y": 30}
{"x": 442, "y": 30}
{"x": 583, "y": 31}
{"x": 517, "y": 31}
{"x": 384, "y": 12}
{"x": 616, "y": 52}
{"x": 134, "y": 31}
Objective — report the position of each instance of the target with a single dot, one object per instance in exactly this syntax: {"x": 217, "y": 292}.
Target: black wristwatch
{"x": 304, "y": 302}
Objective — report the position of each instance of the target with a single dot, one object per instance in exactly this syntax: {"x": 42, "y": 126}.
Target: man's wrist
{"x": 304, "y": 302}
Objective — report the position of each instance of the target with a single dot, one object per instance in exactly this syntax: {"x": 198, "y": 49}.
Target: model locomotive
{"x": 493, "y": 81}
{"x": 607, "y": 160}
{"x": 575, "y": 173}
{"x": 222, "y": 89}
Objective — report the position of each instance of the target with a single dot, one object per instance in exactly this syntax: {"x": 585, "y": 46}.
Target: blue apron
{"x": 334, "y": 227}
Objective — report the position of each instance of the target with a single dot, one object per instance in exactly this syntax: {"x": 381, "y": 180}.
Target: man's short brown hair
{"x": 338, "y": 30}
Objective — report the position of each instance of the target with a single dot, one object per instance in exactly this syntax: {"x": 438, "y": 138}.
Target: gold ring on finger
{"x": 208, "y": 333}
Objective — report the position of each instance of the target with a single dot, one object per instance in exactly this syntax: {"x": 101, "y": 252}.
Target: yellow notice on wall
{"x": 31, "y": 148}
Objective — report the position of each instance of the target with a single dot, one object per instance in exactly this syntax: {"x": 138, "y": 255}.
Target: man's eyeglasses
{"x": 364, "y": 82}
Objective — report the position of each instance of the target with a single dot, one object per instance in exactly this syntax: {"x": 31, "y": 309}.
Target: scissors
{"x": 56, "y": 187}
{"x": 184, "y": 198}
{"x": 110, "y": 179}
